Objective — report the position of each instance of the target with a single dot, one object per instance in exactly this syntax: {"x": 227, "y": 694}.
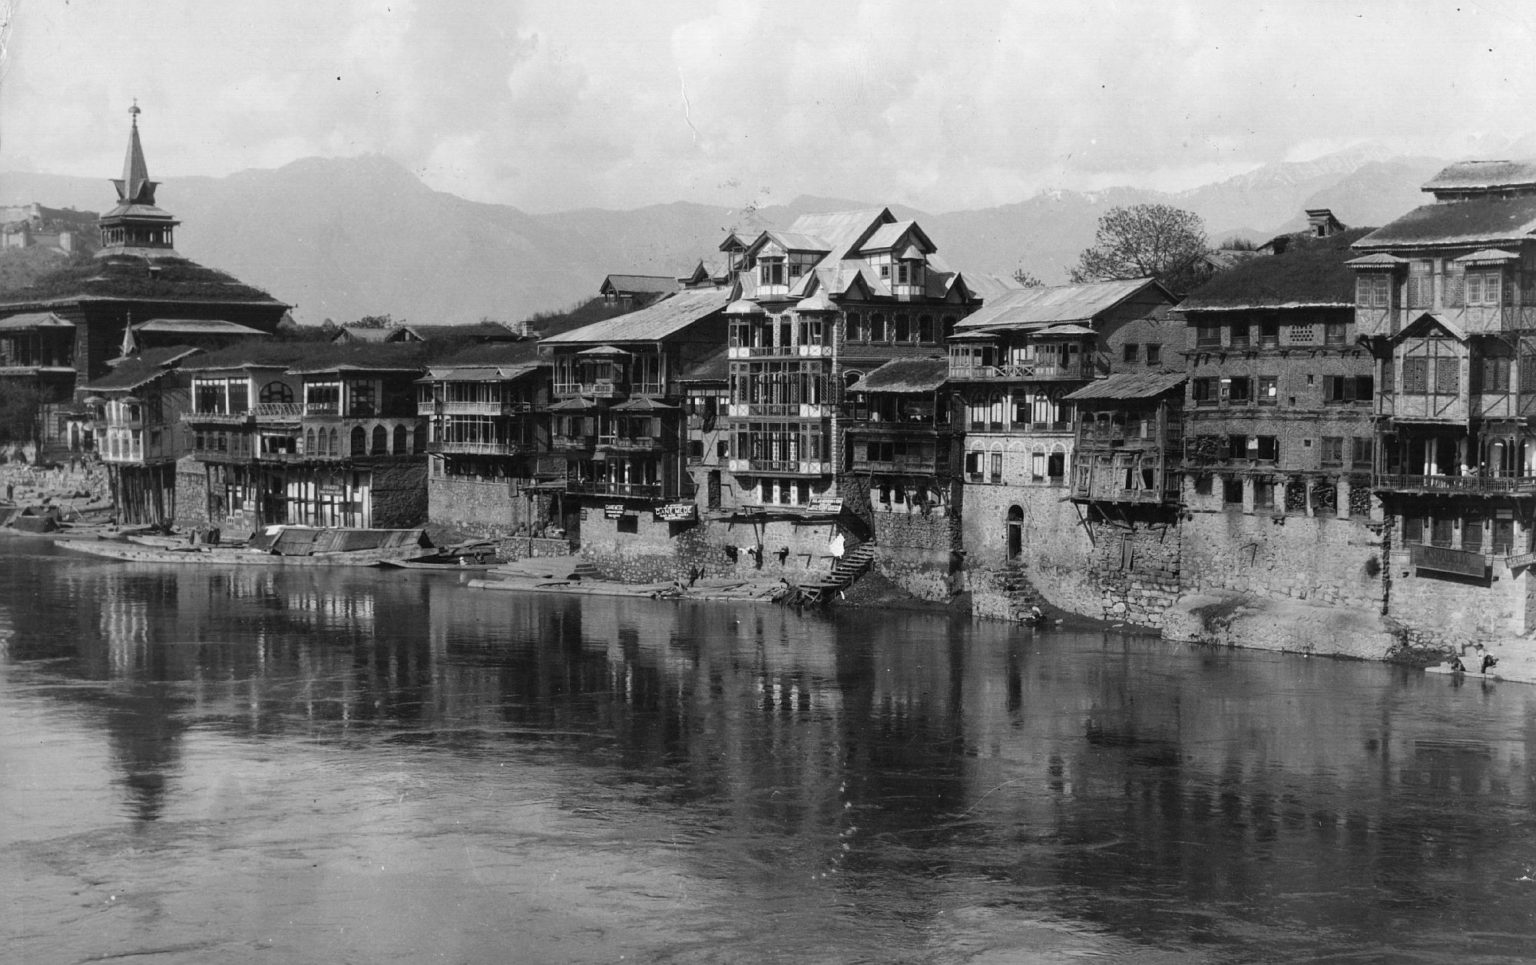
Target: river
{"x": 267, "y": 765}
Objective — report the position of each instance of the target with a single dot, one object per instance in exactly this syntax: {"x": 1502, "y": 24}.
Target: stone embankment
{"x": 78, "y": 486}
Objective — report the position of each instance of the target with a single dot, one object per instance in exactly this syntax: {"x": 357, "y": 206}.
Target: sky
{"x": 553, "y": 105}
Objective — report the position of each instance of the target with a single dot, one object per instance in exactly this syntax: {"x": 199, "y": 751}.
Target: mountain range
{"x": 341, "y": 238}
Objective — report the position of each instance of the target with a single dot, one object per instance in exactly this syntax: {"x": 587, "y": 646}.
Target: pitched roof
{"x": 481, "y": 373}
{"x": 1476, "y": 221}
{"x": 130, "y": 373}
{"x": 485, "y": 331}
{"x": 30, "y": 320}
{"x": 639, "y": 284}
{"x": 196, "y": 326}
{"x": 362, "y": 333}
{"x": 1474, "y": 175}
{"x": 1127, "y": 385}
{"x": 664, "y": 317}
{"x": 905, "y": 375}
{"x": 314, "y": 357}
{"x": 714, "y": 367}
{"x": 1311, "y": 272}
{"x": 1064, "y": 303}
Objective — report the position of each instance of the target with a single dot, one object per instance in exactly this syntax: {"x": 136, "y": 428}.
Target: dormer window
{"x": 770, "y": 270}
{"x": 1373, "y": 290}
{"x": 903, "y": 274}
{"x": 1482, "y": 287}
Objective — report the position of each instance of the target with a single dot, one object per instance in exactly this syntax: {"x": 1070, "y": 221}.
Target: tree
{"x": 1145, "y": 240}
{"x": 1025, "y": 278}
{"x": 21, "y": 406}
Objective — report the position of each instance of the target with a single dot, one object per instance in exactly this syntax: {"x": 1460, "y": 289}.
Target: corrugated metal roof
{"x": 1128, "y": 385}
{"x": 905, "y": 375}
{"x": 130, "y": 373}
{"x": 714, "y": 367}
{"x": 662, "y": 318}
{"x": 1489, "y": 255}
{"x": 196, "y": 326}
{"x": 840, "y": 229}
{"x": 1471, "y": 175}
{"x": 1474, "y": 222}
{"x": 480, "y": 373}
{"x": 30, "y": 320}
{"x": 1063, "y": 303}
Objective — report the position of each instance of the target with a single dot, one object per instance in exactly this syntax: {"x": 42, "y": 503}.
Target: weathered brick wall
{"x": 1321, "y": 559}
{"x": 399, "y": 492}
{"x": 1137, "y": 568}
{"x": 191, "y": 494}
{"x": 486, "y": 506}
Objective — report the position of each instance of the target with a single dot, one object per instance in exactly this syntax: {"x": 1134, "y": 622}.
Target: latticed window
{"x": 1447, "y": 376}
{"x": 1421, "y": 284}
{"x": 1415, "y": 376}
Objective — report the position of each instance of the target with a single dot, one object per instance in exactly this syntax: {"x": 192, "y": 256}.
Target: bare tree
{"x": 1145, "y": 241}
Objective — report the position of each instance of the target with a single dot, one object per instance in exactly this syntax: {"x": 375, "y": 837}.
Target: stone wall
{"x": 918, "y": 553}
{"x": 191, "y": 494}
{"x": 1137, "y": 568}
{"x": 1055, "y": 551}
{"x": 491, "y": 507}
{"x": 1442, "y": 611}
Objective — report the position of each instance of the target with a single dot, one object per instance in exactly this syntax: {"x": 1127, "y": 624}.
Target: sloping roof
{"x": 480, "y": 373}
{"x": 1430, "y": 320}
{"x": 1311, "y": 272}
{"x": 714, "y": 367}
{"x": 30, "y": 320}
{"x": 1472, "y": 175}
{"x": 1378, "y": 260}
{"x": 1224, "y": 258}
{"x": 313, "y": 357}
{"x": 484, "y": 331}
{"x": 130, "y": 373}
{"x": 1486, "y": 255}
{"x": 1128, "y": 385}
{"x": 905, "y": 375}
{"x": 639, "y": 284}
{"x": 362, "y": 333}
{"x": 196, "y": 326}
{"x": 167, "y": 278}
{"x": 642, "y": 403}
{"x": 1063, "y": 303}
{"x": 666, "y": 316}
{"x": 1476, "y": 221}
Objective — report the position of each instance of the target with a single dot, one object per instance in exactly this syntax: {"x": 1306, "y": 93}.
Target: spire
{"x": 135, "y": 186}
{"x": 130, "y": 346}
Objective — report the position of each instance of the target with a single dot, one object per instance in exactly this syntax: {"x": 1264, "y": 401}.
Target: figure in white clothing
{"x": 837, "y": 545}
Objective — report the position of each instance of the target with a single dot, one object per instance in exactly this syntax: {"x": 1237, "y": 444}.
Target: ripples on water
{"x": 268, "y": 765}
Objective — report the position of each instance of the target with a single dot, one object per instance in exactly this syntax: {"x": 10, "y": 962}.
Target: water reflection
{"x": 857, "y": 771}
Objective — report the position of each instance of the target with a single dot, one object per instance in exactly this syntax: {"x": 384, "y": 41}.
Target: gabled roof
{"x": 905, "y": 375}
{"x": 1024, "y": 307}
{"x": 638, "y": 284}
{"x": 888, "y": 236}
{"x": 480, "y": 373}
{"x": 1310, "y": 273}
{"x": 483, "y": 331}
{"x": 1475, "y": 175}
{"x": 714, "y": 367}
{"x": 1378, "y": 260}
{"x": 1476, "y": 221}
{"x": 664, "y": 317}
{"x": 362, "y": 333}
{"x": 1488, "y": 256}
{"x": 313, "y": 357}
{"x": 137, "y": 370}
{"x": 1428, "y": 321}
{"x": 1127, "y": 385}
{"x": 31, "y": 320}
{"x": 196, "y": 326}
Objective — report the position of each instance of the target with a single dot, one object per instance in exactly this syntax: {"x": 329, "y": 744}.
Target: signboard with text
{"x": 826, "y": 504}
{"x": 1441, "y": 559}
{"x": 613, "y": 510}
{"x": 677, "y": 512}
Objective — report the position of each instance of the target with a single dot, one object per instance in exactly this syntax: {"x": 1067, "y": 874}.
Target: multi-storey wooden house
{"x": 616, "y": 412}
{"x": 136, "y": 415}
{"x": 1446, "y": 301}
{"x": 900, "y": 437}
{"x": 1278, "y": 414}
{"x": 307, "y": 434}
{"x": 1129, "y": 443}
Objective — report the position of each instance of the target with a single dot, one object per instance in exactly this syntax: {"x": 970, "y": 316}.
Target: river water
{"x": 263, "y": 765}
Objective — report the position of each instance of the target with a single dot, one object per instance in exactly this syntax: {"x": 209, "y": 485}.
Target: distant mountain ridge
{"x": 341, "y": 238}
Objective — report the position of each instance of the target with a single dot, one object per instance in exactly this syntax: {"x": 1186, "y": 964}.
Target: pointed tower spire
{"x": 136, "y": 223}
{"x": 130, "y": 345}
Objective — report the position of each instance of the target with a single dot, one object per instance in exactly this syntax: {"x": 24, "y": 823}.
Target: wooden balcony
{"x": 1471, "y": 485}
{"x": 1020, "y": 372}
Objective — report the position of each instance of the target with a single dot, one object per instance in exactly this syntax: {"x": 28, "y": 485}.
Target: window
{"x": 627, "y": 524}
{"x": 1482, "y": 288}
{"x": 1348, "y": 388}
{"x": 1268, "y": 448}
{"x": 1333, "y": 450}
{"x": 1237, "y": 447}
{"x": 1301, "y": 334}
{"x": 877, "y": 328}
{"x": 1240, "y": 335}
{"x": 1037, "y": 467}
{"x": 1203, "y": 391}
{"x": 1239, "y": 390}
{"x": 1415, "y": 376}
{"x": 1333, "y": 333}
{"x": 1232, "y": 491}
{"x": 1472, "y": 533}
{"x": 1363, "y": 450}
{"x": 1263, "y": 494}
{"x": 997, "y": 467}
{"x": 1447, "y": 376}
{"x": 276, "y": 392}
{"x": 1494, "y": 374}
{"x": 1131, "y": 352}
{"x": 770, "y": 271}
{"x": 1373, "y": 290}
{"x": 1154, "y": 354}
{"x": 973, "y": 462}
{"x": 1207, "y": 335}
{"x": 1421, "y": 284}
{"x": 1269, "y": 334}
{"x": 1269, "y": 390}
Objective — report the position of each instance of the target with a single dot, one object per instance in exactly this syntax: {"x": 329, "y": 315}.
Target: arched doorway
{"x": 1015, "y": 532}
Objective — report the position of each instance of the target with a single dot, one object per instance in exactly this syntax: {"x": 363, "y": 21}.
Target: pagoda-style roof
{"x": 137, "y": 278}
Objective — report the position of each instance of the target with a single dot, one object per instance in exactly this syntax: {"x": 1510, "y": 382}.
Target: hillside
{"x": 346, "y": 237}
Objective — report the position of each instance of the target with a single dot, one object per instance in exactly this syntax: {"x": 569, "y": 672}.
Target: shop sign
{"x": 1445, "y": 560}
{"x": 826, "y": 504}
{"x": 613, "y": 510}
{"x": 677, "y": 512}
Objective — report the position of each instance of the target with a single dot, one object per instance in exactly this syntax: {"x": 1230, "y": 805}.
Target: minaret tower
{"x": 136, "y": 226}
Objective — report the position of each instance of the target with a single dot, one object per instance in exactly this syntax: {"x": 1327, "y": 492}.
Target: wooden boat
{"x": 459, "y": 558}
{"x": 294, "y": 546}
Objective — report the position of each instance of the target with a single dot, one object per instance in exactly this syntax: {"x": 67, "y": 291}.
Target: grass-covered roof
{"x": 1310, "y": 272}
{"x": 167, "y": 279}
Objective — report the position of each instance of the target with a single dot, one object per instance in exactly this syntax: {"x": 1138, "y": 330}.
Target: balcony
{"x": 219, "y": 418}
{"x": 781, "y": 467}
{"x": 1472, "y": 485}
{"x": 915, "y": 465}
{"x": 572, "y": 443}
{"x": 632, "y": 443}
{"x": 603, "y": 487}
{"x": 1019, "y": 372}
{"x": 489, "y": 408}
{"x": 480, "y": 448}
{"x": 780, "y": 410}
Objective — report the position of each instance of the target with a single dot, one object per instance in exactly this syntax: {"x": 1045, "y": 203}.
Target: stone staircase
{"x": 1013, "y": 582}
{"x": 849, "y": 567}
